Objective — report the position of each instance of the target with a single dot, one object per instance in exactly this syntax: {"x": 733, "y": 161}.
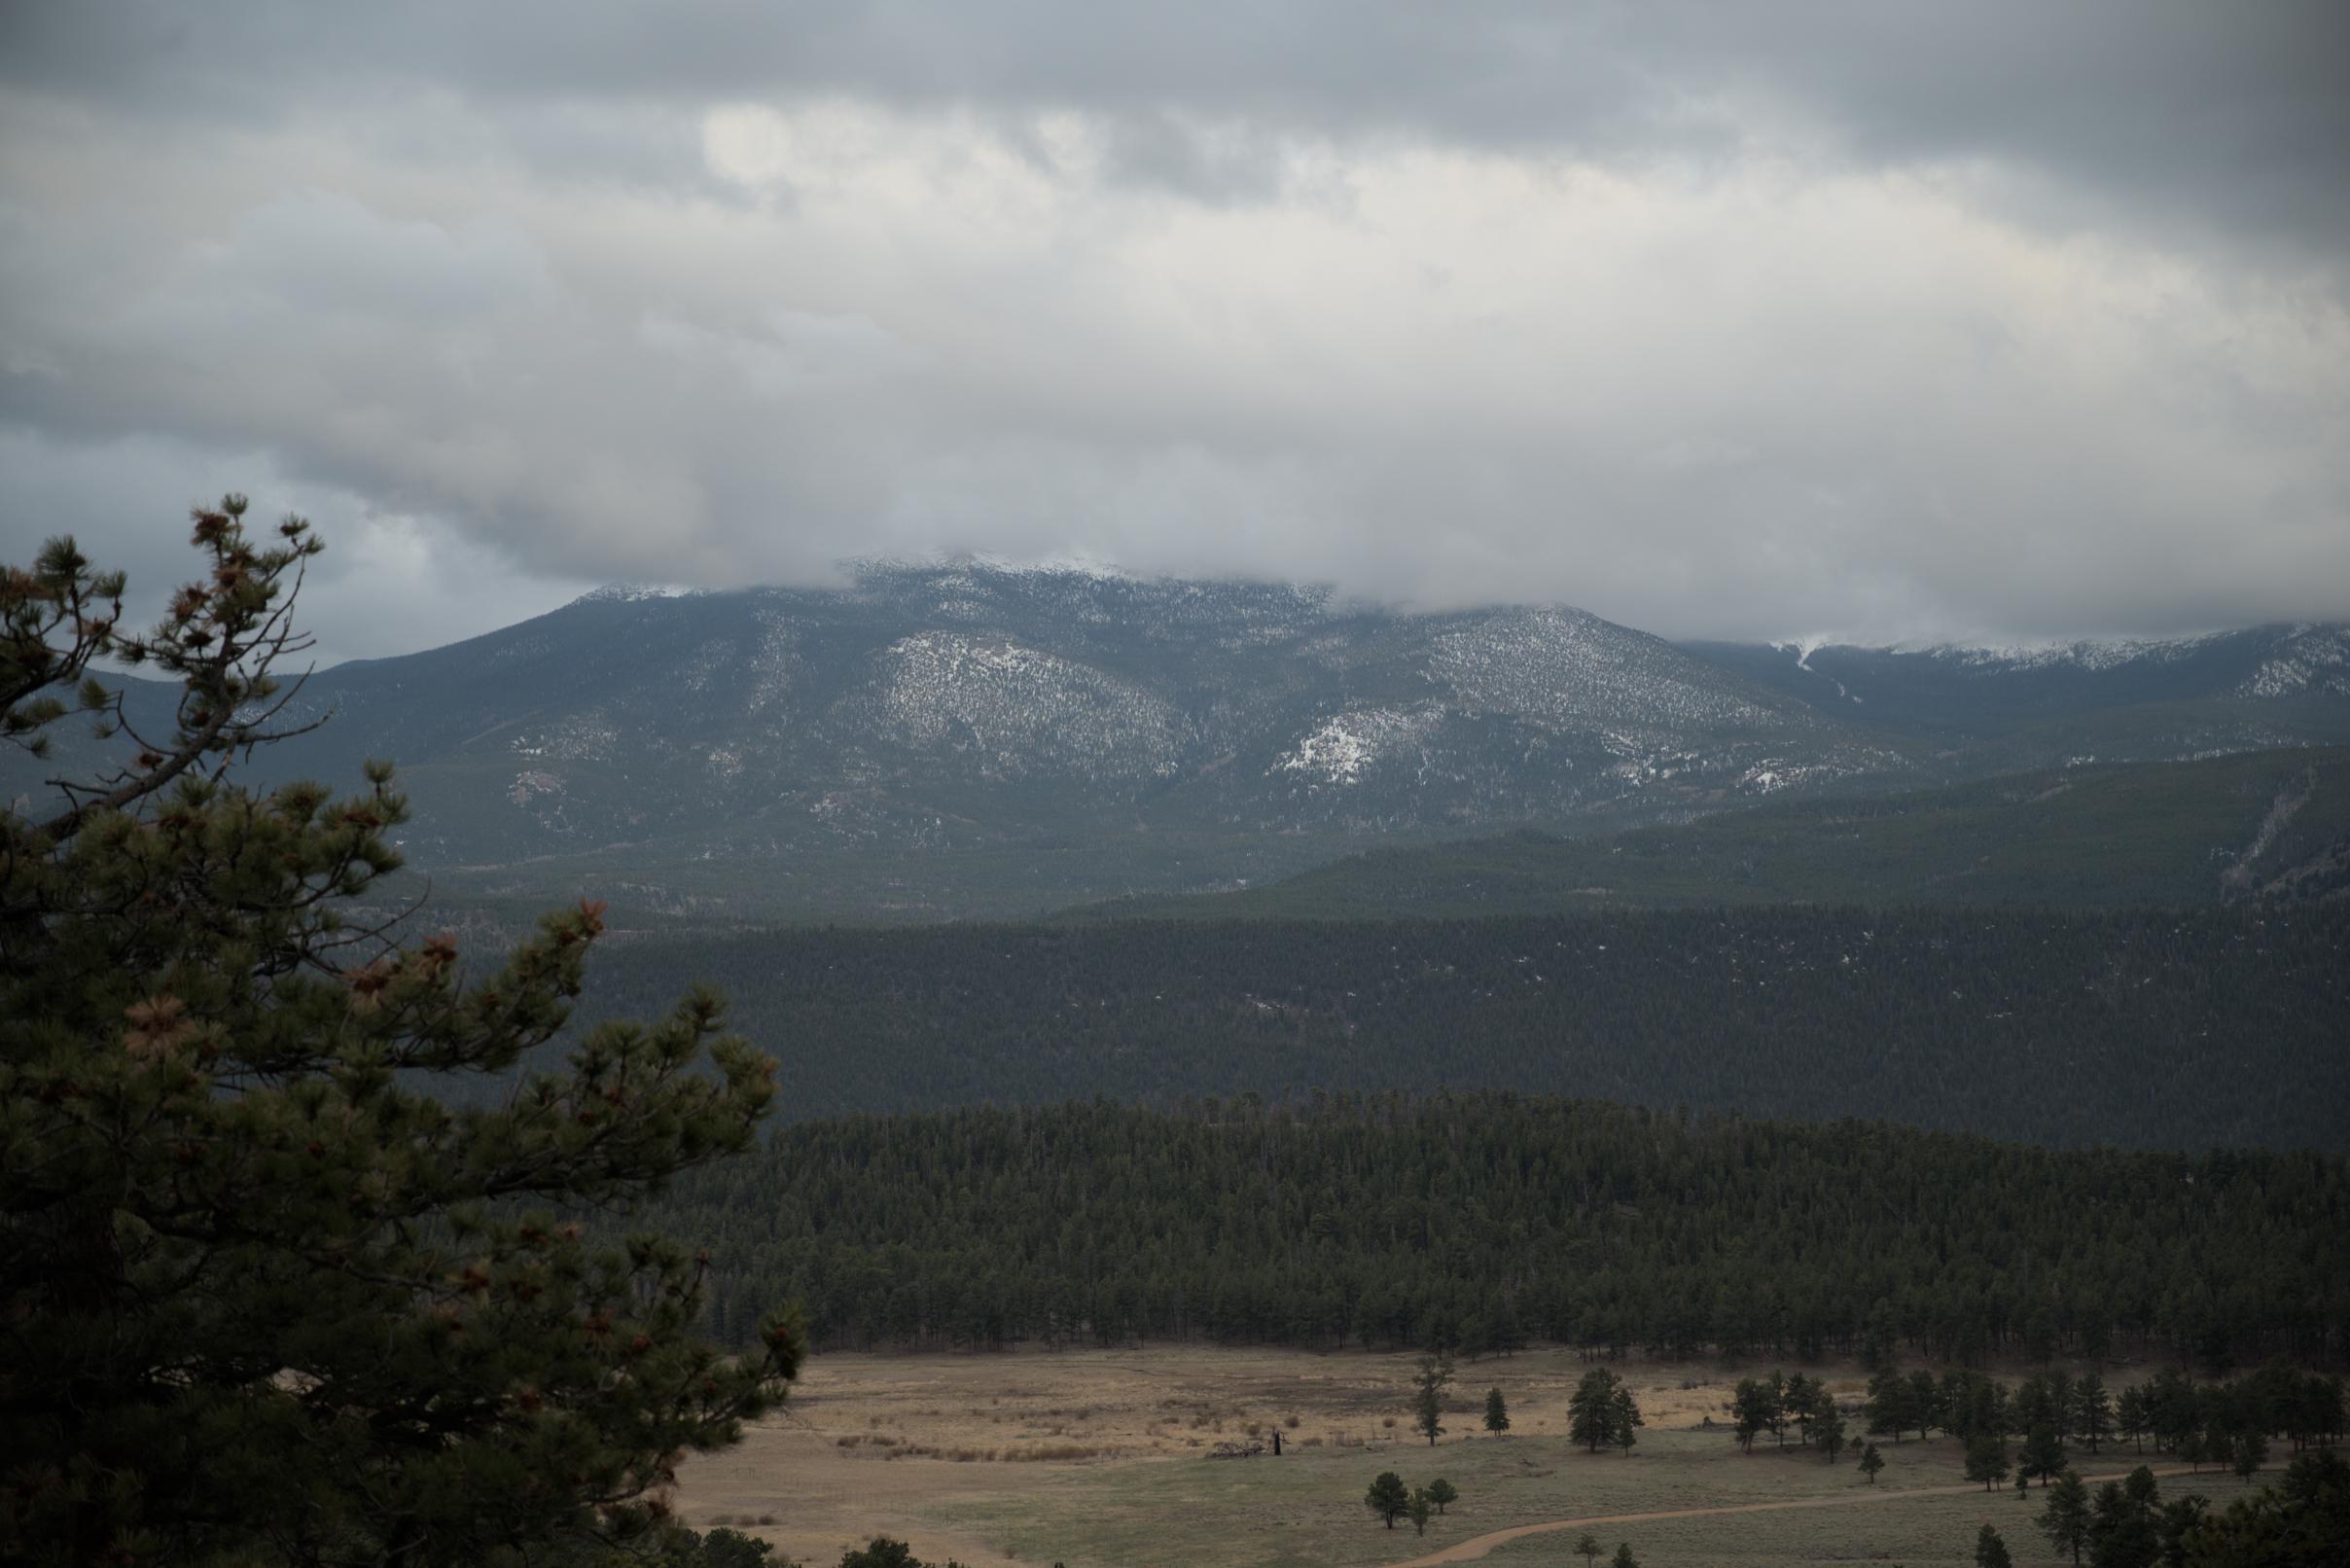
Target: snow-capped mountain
{"x": 1155, "y": 732}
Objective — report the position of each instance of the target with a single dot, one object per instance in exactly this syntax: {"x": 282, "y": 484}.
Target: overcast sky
{"x": 1878, "y": 319}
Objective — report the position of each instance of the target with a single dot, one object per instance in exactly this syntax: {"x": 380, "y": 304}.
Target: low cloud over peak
{"x": 1907, "y": 319}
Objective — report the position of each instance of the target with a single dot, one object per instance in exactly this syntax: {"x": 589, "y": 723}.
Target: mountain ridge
{"x": 1150, "y": 735}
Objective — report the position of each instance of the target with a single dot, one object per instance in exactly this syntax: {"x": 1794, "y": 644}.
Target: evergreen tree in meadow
{"x": 1624, "y": 1418}
{"x": 1421, "y": 1508}
{"x": 266, "y": 1302}
{"x": 1871, "y": 1462}
{"x": 1387, "y": 1497}
{"x": 1591, "y": 1410}
{"x": 1588, "y": 1547}
{"x": 1990, "y": 1552}
{"x": 2043, "y": 1453}
{"x": 1497, "y": 1412}
{"x": 1987, "y": 1460}
{"x": 1428, "y": 1401}
{"x": 1828, "y": 1428}
{"x": 2064, "y": 1515}
{"x": 1441, "y": 1492}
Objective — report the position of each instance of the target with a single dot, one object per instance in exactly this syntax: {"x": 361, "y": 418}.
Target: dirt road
{"x": 1476, "y": 1546}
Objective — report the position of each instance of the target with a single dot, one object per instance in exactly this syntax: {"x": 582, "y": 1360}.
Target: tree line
{"x": 1473, "y": 1223}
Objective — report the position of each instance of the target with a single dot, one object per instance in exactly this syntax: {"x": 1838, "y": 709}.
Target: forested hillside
{"x": 2147, "y": 1030}
{"x": 1476, "y": 1222}
{"x": 2268, "y": 825}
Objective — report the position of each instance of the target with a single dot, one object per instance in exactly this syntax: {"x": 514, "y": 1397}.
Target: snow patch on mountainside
{"x": 1339, "y": 750}
{"x": 2091, "y": 653}
{"x": 2312, "y": 660}
{"x": 1014, "y": 708}
{"x": 1568, "y": 670}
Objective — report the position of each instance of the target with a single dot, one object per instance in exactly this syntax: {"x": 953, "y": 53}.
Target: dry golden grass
{"x": 946, "y": 1450}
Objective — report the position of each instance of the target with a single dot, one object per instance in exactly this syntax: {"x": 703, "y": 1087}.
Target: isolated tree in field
{"x": 1590, "y": 1409}
{"x": 2064, "y": 1517}
{"x": 1387, "y": 1497}
{"x": 2246, "y": 1454}
{"x": 264, "y": 1302}
{"x": 1623, "y": 1557}
{"x": 1588, "y": 1547}
{"x": 1442, "y": 1493}
{"x": 1428, "y": 1403}
{"x": 1421, "y": 1508}
{"x": 1987, "y": 1460}
{"x": 1990, "y": 1552}
{"x": 1871, "y": 1462}
{"x": 1497, "y": 1412}
{"x": 1624, "y": 1418}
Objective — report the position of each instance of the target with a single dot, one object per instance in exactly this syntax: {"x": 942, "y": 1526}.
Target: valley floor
{"x": 1098, "y": 1459}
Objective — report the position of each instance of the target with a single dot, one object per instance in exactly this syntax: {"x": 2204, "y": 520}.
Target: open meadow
{"x": 1100, "y": 1459}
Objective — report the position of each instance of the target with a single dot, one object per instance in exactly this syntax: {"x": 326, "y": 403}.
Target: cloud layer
{"x": 1893, "y": 321}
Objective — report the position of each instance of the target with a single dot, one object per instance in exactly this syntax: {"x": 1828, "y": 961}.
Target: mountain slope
{"x": 966, "y": 740}
{"x": 2267, "y": 825}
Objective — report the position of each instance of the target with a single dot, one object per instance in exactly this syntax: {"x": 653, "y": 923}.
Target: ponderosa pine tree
{"x": 2043, "y": 1453}
{"x": 1624, "y": 1419}
{"x": 2064, "y": 1518}
{"x": 1828, "y": 1427}
{"x": 1987, "y": 1460}
{"x": 1442, "y": 1493}
{"x": 1871, "y": 1462}
{"x": 1427, "y": 1399}
{"x": 1990, "y": 1552}
{"x": 2092, "y": 1410}
{"x": 1387, "y": 1497}
{"x": 1497, "y": 1412}
{"x": 264, "y": 1301}
{"x": 1591, "y": 1408}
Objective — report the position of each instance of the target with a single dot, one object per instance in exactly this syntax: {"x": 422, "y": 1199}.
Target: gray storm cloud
{"x": 1900, "y": 321}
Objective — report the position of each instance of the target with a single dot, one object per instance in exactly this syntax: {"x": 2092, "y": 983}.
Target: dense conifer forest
{"x": 2146, "y": 1029}
{"x": 1473, "y": 1223}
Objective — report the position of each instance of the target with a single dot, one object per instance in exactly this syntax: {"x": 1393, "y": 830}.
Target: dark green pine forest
{"x": 2153, "y": 1029}
{"x": 1478, "y": 1222}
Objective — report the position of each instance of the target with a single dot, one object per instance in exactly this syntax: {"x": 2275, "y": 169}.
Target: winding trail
{"x": 1476, "y": 1546}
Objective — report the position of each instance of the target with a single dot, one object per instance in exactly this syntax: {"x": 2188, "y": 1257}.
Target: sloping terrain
{"x": 2265, "y": 825}
{"x": 940, "y": 741}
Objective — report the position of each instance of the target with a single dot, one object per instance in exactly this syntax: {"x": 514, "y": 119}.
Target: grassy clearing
{"x": 1097, "y": 1459}
{"x": 1917, "y": 1532}
{"x": 1305, "y": 1511}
